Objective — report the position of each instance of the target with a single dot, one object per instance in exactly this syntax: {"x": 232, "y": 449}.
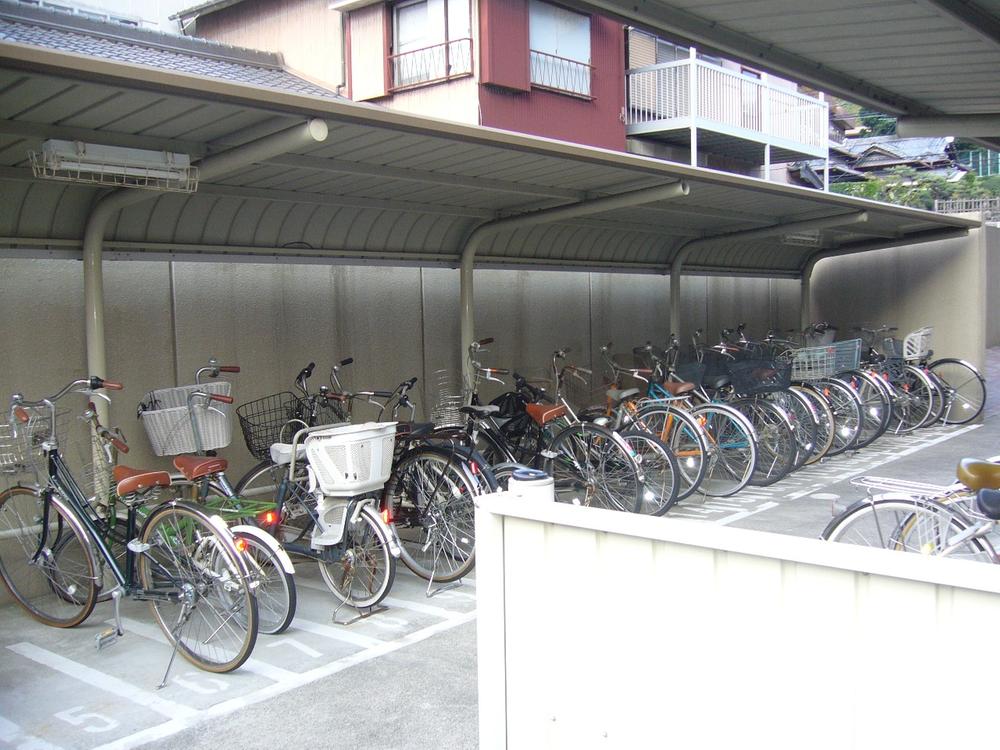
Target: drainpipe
{"x": 313, "y": 131}
{"x": 547, "y": 215}
{"x": 677, "y": 266}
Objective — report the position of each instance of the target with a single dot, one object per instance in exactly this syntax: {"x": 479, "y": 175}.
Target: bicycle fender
{"x": 268, "y": 541}
{"x": 956, "y": 359}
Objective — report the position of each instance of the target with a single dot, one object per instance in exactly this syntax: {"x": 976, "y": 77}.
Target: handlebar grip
{"x": 111, "y": 385}
{"x": 21, "y": 414}
{"x": 220, "y": 397}
{"x": 411, "y": 382}
{"x": 497, "y": 370}
{"x": 484, "y": 342}
{"x": 345, "y": 362}
{"x": 335, "y": 396}
{"x": 382, "y": 394}
{"x": 229, "y": 368}
{"x": 119, "y": 445}
{"x": 308, "y": 369}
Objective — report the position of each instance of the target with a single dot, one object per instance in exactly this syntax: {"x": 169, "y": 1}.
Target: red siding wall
{"x": 503, "y": 35}
{"x": 593, "y": 123}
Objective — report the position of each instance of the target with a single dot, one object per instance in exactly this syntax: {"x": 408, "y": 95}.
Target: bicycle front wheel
{"x": 430, "y": 498}
{"x": 776, "y": 445}
{"x": 965, "y": 390}
{"x": 198, "y": 587}
{"x": 365, "y": 570}
{"x": 685, "y": 437}
{"x": 57, "y": 589}
{"x": 732, "y": 449}
{"x": 907, "y": 525}
{"x": 590, "y": 465}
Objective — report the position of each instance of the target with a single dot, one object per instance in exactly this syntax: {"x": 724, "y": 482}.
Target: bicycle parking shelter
{"x": 291, "y": 177}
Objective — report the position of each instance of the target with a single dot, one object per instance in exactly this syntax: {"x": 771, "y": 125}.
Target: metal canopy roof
{"x": 388, "y": 187}
{"x": 905, "y": 57}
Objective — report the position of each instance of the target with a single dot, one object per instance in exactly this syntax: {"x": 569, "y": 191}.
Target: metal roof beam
{"x": 102, "y": 137}
{"x": 544, "y": 216}
{"x": 963, "y": 126}
{"x": 972, "y": 17}
{"x": 343, "y": 166}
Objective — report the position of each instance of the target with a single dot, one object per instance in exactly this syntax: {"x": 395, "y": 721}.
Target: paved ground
{"x": 404, "y": 678}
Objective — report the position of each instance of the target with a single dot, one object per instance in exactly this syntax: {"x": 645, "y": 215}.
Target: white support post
{"x": 693, "y": 103}
{"x": 767, "y": 162}
{"x": 805, "y": 297}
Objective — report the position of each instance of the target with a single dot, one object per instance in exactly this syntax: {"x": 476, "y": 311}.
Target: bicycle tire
{"x": 364, "y": 573}
{"x": 685, "y": 436}
{"x": 660, "y": 483}
{"x": 732, "y": 449}
{"x": 875, "y": 403}
{"x": 198, "y": 587}
{"x": 591, "y": 465}
{"x": 60, "y": 595}
{"x": 846, "y": 406}
{"x": 262, "y": 482}
{"x": 939, "y": 396}
{"x": 825, "y": 423}
{"x": 430, "y": 502}
{"x": 905, "y": 524}
{"x": 776, "y": 444}
{"x": 965, "y": 390}
{"x": 913, "y": 400}
{"x": 273, "y": 586}
{"x": 805, "y": 422}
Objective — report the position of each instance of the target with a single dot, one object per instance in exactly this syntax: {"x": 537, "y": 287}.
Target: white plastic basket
{"x": 165, "y": 416}
{"x": 814, "y": 362}
{"x": 352, "y": 459}
{"x": 917, "y": 345}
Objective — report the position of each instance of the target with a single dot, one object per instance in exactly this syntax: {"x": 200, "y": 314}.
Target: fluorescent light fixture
{"x": 76, "y": 161}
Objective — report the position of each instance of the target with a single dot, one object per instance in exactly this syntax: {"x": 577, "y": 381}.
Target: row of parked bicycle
{"x": 213, "y": 556}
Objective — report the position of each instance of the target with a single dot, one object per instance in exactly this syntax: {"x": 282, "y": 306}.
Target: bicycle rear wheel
{"x": 825, "y": 425}
{"x": 846, "y": 406}
{"x": 804, "y": 419}
{"x": 776, "y": 445}
{"x": 592, "y": 466}
{"x": 913, "y": 400}
{"x": 685, "y": 437}
{"x": 57, "y": 589}
{"x": 874, "y": 402}
{"x": 732, "y": 449}
{"x": 197, "y": 587}
{"x": 965, "y": 390}
{"x": 906, "y": 525}
{"x": 430, "y": 499}
{"x": 365, "y": 570}
{"x": 272, "y": 585}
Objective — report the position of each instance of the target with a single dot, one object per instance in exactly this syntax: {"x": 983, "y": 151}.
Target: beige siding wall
{"x": 456, "y": 100}
{"x": 306, "y": 32}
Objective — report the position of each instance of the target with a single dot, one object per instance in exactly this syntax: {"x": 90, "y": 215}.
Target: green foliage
{"x": 877, "y": 123}
{"x": 906, "y": 186}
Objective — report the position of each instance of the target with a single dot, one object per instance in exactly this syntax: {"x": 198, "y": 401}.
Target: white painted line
{"x": 103, "y": 681}
{"x": 745, "y": 513}
{"x": 335, "y": 633}
{"x": 11, "y": 733}
{"x": 426, "y": 609}
{"x": 169, "y": 728}
{"x": 285, "y": 642}
{"x": 255, "y": 666}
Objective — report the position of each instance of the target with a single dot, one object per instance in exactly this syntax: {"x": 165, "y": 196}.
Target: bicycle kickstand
{"x": 186, "y": 611}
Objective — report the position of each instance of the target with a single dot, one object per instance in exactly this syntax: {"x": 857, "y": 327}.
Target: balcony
{"x": 732, "y": 114}
{"x": 439, "y": 62}
{"x": 560, "y": 74}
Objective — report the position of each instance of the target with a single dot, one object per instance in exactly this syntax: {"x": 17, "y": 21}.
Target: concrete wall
{"x": 609, "y": 630}
{"x": 940, "y": 284}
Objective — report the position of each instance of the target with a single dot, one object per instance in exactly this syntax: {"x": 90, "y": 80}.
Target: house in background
{"x": 535, "y": 67}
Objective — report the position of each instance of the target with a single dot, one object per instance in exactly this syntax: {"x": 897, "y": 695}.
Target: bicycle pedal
{"x": 105, "y": 638}
{"x": 138, "y": 547}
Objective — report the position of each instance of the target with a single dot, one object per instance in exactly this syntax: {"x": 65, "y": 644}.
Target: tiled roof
{"x": 66, "y": 33}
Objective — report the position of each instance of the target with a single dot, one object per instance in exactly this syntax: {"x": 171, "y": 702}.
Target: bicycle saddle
{"x": 543, "y": 413}
{"x": 678, "y": 389}
{"x": 138, "y": 480}
{"x": 196, "y": 467}
{"x": 617, "y": 395}
{"x": 988, "y": 503}
{"x": 977, "y": 474}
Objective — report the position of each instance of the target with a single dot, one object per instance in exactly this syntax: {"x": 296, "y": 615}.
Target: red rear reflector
{"x": 386, "y": 518}
{"x": 241, "y": 544}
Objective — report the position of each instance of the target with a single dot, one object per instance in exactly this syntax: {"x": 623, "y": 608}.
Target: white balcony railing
{"x": 662, "y": 95}
{"x": 560, "y": 73}
{"x": 436, "y": 63}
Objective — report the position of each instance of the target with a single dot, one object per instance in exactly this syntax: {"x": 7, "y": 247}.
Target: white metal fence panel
{"x": 615, "y": 631}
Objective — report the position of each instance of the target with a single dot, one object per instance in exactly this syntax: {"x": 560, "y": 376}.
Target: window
{"x": 431, "y": 41}
{"x": 560, "y": 48}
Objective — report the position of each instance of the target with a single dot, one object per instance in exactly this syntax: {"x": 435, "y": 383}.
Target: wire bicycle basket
{"x": 847, "y": 355}
{"x": 813, "y": 362}
{"x": 450, "y": 396}
{"x": 265, "y": 421}
{"x": 751, "y": 377}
